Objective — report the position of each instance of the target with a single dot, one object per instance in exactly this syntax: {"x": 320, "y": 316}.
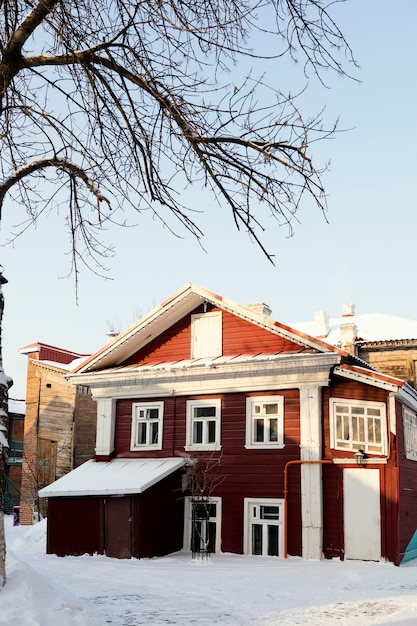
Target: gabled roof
{"x": 169, "y": 312}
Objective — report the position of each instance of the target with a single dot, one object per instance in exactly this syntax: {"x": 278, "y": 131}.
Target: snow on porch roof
{"x": 116, "y": 477}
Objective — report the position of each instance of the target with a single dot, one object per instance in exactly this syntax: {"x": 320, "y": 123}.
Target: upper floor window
{"x": 410, "y": 434}
{"x": 357, "y": 424}
{"x": 206, "y": 335}
{"x": 147, "y": 418}
{"x": 265, "y": 422}
{"x": 203, "y": 424}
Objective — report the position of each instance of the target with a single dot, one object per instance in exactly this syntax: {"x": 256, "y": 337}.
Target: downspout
{"x": 295, "y": 462}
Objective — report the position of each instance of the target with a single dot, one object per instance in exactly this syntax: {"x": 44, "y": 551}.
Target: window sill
{"x": 264, "y": 446}
{"x": 212, "y": 447}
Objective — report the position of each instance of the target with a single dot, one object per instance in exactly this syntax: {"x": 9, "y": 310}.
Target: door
{"x": 362, "y": 514}
{"x": 118, "y": 527}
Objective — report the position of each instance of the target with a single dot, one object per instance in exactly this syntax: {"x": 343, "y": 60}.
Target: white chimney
{"x": 348, "y": 333}
{"x": 348, "y": 310}
{"x": 322, "y": 327}
{"x": 260, "y": 307}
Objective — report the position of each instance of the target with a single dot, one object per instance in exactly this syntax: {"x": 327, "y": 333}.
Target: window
{"x": 203, "y": 425}
{"x": 263, "y": 530}
{"x": 265, "y": 422}
{"x": 202, "y": 530}
{"x": 410, "y": 434}
{"x": 206, "y": 335}
{"x": 357, "y": 424}
{"x": 147, "y": 426}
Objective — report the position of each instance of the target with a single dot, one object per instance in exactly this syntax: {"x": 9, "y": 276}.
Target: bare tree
{"x": 5, "y": 384}
{"x": 107, "y": 105}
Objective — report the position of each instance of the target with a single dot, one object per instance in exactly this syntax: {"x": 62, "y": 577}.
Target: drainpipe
{"x": 295, "y": 462}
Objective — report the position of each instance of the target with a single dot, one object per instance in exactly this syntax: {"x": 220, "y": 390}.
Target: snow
{"x": 370, "y": 327}
{"x": 119, "y": 476}
{"x": 229, "y": 590}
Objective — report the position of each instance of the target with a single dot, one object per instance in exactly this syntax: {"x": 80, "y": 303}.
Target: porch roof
{"x": 115, "y": 477}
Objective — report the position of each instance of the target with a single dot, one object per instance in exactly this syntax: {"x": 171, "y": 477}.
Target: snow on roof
{"x": 370, "y": 327}
{"x": 17, "y": 406}
{"x": 116, "y": 477}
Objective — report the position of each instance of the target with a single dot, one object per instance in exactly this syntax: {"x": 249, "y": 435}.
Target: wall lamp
{"x": 360, "y": 457}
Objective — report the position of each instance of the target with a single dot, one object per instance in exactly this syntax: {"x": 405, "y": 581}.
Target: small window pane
{"x": 271, "y": 409}
{"x": 211, "y": 431}
{"x": 342, "y": 409}
{"x": 198, "y": 432}
{"x": 273, "y": 430}
{"x": 205, "y": 411}
{"x": 259, "y": 430}
{"x": 273, "y": 540}
{"x": 154, "y": 432}
{"x": 152, "y": 413}
{"x": 141, "y": 433}
{"x": 374, "y": 412}
{"x": 269, "y": 512}
{"x": 256, "y": 538}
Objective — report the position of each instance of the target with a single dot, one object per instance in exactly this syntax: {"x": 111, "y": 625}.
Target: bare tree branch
{"x": 129, "y": 103}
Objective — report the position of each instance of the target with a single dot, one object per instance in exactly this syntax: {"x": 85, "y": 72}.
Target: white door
{"x": 362, "y": 514}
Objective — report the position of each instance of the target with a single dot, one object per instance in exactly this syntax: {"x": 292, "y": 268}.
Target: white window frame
{"x": 137, "y": 407}
{"x": 351, "y": 444}
{"x": 252, "y": 507}
{"x": 205, "y": 444}
{"x": 188, "y": 520}
{"x": 251, "y": 401}
{"x": 206, "y": 335}
{"x": 410, "y": 433}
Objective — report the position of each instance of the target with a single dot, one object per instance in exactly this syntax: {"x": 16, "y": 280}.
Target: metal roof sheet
{"x": 115, "y": 477}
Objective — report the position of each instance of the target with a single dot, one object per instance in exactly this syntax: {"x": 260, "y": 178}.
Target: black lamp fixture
{"x": 360, "y": 457}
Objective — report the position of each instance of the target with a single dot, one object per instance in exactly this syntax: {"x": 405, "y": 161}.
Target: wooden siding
{"x": 239, "y": 337}
{"x": 142, "y": 525}
{"x": 246, "y": 472}
{"x": 75, "y": 526}
{"x": 393, "y": 359}
{"x": 407, "y": 508}
{"x": 333, "y": 542}
{"x": 59, "y": 417}
{"x": 333, "y": 485}
{"x": 159, "y": 518}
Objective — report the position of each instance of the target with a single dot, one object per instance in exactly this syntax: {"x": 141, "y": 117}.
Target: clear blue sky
{"x": 365, "y": 255}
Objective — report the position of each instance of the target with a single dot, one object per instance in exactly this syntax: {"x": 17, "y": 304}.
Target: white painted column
{"x": 106, "y": 422}
{"x": 311, "y": 474}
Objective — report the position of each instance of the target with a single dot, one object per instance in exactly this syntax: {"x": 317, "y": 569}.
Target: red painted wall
{"x": 333, "y": 485}
{"x": 247, "y": 473}
{"x": 239, "y": 337}
{"x": 407, "y": 485}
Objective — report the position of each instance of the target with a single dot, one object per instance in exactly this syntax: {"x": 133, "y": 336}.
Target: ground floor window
{"x": 263, "y": 529}
{"x": 202, "y": 532}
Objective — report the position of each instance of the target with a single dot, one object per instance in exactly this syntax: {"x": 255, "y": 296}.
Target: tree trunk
{"x": 5, "y": 383}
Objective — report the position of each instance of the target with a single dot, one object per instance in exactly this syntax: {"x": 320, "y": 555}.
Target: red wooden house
{"x": 308, "y": 450}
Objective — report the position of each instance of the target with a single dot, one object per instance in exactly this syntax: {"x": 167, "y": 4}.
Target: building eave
{"x": 212, "y": 376}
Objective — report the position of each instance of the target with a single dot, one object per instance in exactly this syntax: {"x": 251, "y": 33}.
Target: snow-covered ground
{"x": 45, "y": 590}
